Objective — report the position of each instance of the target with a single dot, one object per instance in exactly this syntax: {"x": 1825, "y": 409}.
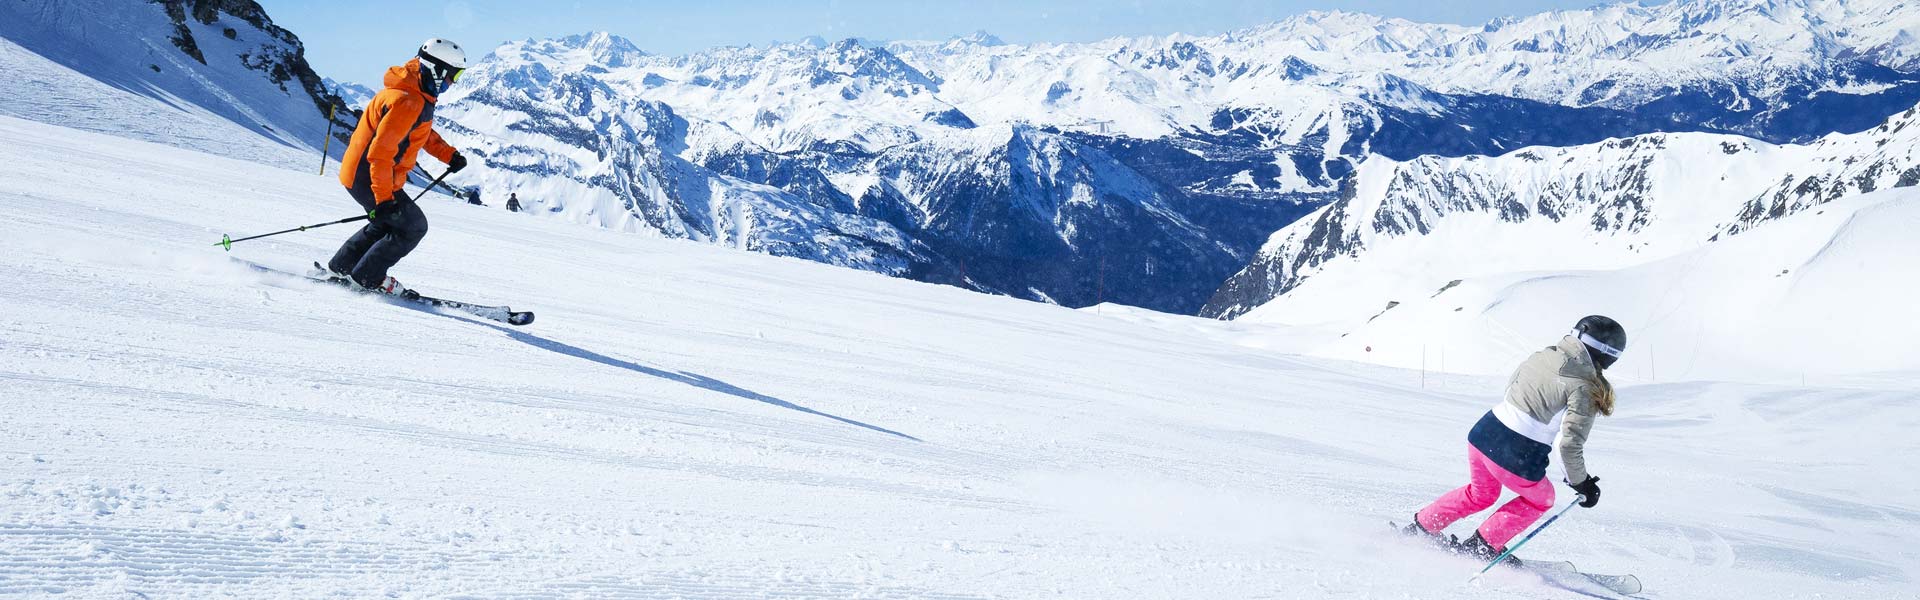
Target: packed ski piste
{"x": 700, "y": 422}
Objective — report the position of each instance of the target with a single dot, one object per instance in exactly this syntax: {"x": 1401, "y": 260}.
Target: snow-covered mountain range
{"x": 210, "y": 75}
{"x": 569, "y": 144}
{"x": 1775, "y": 69}
{"x": 903, "y": 185}
{"x": 1608, "y": 205}
{"x": 352, "y": 94}
{"x": 1145, "y": 171}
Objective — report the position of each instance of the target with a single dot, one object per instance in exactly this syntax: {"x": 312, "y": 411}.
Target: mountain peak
{"x": 981, "y": 37}
{"x": 605, "y": 48}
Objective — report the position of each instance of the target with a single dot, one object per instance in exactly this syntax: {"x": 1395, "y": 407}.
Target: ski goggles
{"x": 442, "y": 70}
{"x": 1597, "y": 344}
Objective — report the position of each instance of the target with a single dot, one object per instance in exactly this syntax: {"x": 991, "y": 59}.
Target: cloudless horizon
{"x": 345, "y": 44}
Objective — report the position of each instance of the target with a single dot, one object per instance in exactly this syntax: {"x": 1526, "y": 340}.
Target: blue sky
{"x": 355, "y": 40}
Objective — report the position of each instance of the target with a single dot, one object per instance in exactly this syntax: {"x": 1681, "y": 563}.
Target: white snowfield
{"x": 1822, "y": 295}
{"x": 693, "y": 422}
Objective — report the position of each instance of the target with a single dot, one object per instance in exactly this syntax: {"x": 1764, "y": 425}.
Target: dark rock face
{"x": 284, "y": 64}
{"x": 1037, "y": 215}
{"x": 1797, "y": 112}
{"x": 1891, "y": 162}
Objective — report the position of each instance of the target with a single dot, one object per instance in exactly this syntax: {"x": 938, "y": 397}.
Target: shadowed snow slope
{"x": 216, "y": 77}
{"x": 689, "y": 421}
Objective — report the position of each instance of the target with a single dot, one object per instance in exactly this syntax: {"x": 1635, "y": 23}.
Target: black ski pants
{"x": 382, "y": 242}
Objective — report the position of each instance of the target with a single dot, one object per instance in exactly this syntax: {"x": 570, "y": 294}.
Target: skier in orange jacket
{"x": 396, "y": 126}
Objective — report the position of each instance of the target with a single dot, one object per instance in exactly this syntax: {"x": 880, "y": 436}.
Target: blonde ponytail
{"x": 1602, "y": 394}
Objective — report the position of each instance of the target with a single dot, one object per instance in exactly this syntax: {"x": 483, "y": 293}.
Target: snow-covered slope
{"x": 1602, "y": 206}
{"x": 1818, "y": 295}
{"x": 216, "y": 76}
{"x": 687, "y": 421}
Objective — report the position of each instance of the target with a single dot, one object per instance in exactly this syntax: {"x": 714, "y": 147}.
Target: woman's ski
{"x": 1625, "y": 585}
{"x": 1558, "y": 573}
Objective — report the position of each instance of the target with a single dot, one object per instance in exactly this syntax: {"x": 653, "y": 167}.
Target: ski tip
{"x": 1626, "y": 585}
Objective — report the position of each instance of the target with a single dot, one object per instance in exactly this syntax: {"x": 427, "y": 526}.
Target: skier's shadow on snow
{"x": 692, "y": 379}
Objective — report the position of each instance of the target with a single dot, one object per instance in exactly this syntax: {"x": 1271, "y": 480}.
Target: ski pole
{"x": 226, "y": 242}
{"x": 1523, "y": 541}
{"x": 436, "y": 180}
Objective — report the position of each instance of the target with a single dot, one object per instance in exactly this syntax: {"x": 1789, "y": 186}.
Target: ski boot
{"x": 1477, "y": 547}
{"x": 325, "y": 273}
{"x": 388, "y": 287}
{"x": 1417, "y": 531}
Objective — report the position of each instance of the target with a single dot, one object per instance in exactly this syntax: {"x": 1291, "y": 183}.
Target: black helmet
{"x": 1605, "y": 339}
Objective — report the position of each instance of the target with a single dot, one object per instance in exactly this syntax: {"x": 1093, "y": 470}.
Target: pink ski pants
{"x": 1482, "y": 490}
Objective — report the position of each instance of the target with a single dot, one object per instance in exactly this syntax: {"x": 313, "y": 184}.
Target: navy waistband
{"x": 1518, "y": 454}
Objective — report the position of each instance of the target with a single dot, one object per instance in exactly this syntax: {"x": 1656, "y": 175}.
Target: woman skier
{"x": 1551, "y": 401}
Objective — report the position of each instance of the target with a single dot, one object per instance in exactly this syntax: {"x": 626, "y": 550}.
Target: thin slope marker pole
{"x": 326, "y": 143}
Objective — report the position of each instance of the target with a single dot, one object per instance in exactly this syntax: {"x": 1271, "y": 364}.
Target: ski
{"x": 1625, "y": 585}
{"x": 493, "y": 313}
{"x": 1558, "y": 573}
{"x": 496, "y": 313}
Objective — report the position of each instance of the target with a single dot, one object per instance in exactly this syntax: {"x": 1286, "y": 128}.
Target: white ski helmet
{"x": 444, "y": 58}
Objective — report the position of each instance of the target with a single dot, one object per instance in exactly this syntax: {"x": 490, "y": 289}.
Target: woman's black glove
{"x": 1589, "y": 491}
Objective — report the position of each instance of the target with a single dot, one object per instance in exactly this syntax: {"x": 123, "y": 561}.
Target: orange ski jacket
{"x": 396, "y": 125}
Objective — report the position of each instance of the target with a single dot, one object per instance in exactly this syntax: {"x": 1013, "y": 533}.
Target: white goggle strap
{"x": 1596, "y": 344}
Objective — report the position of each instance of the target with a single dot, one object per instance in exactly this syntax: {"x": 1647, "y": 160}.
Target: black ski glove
{"x": 1589, "y": 491}
{"x": 391, "y": 209}
{"x": 457, "y": 163}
